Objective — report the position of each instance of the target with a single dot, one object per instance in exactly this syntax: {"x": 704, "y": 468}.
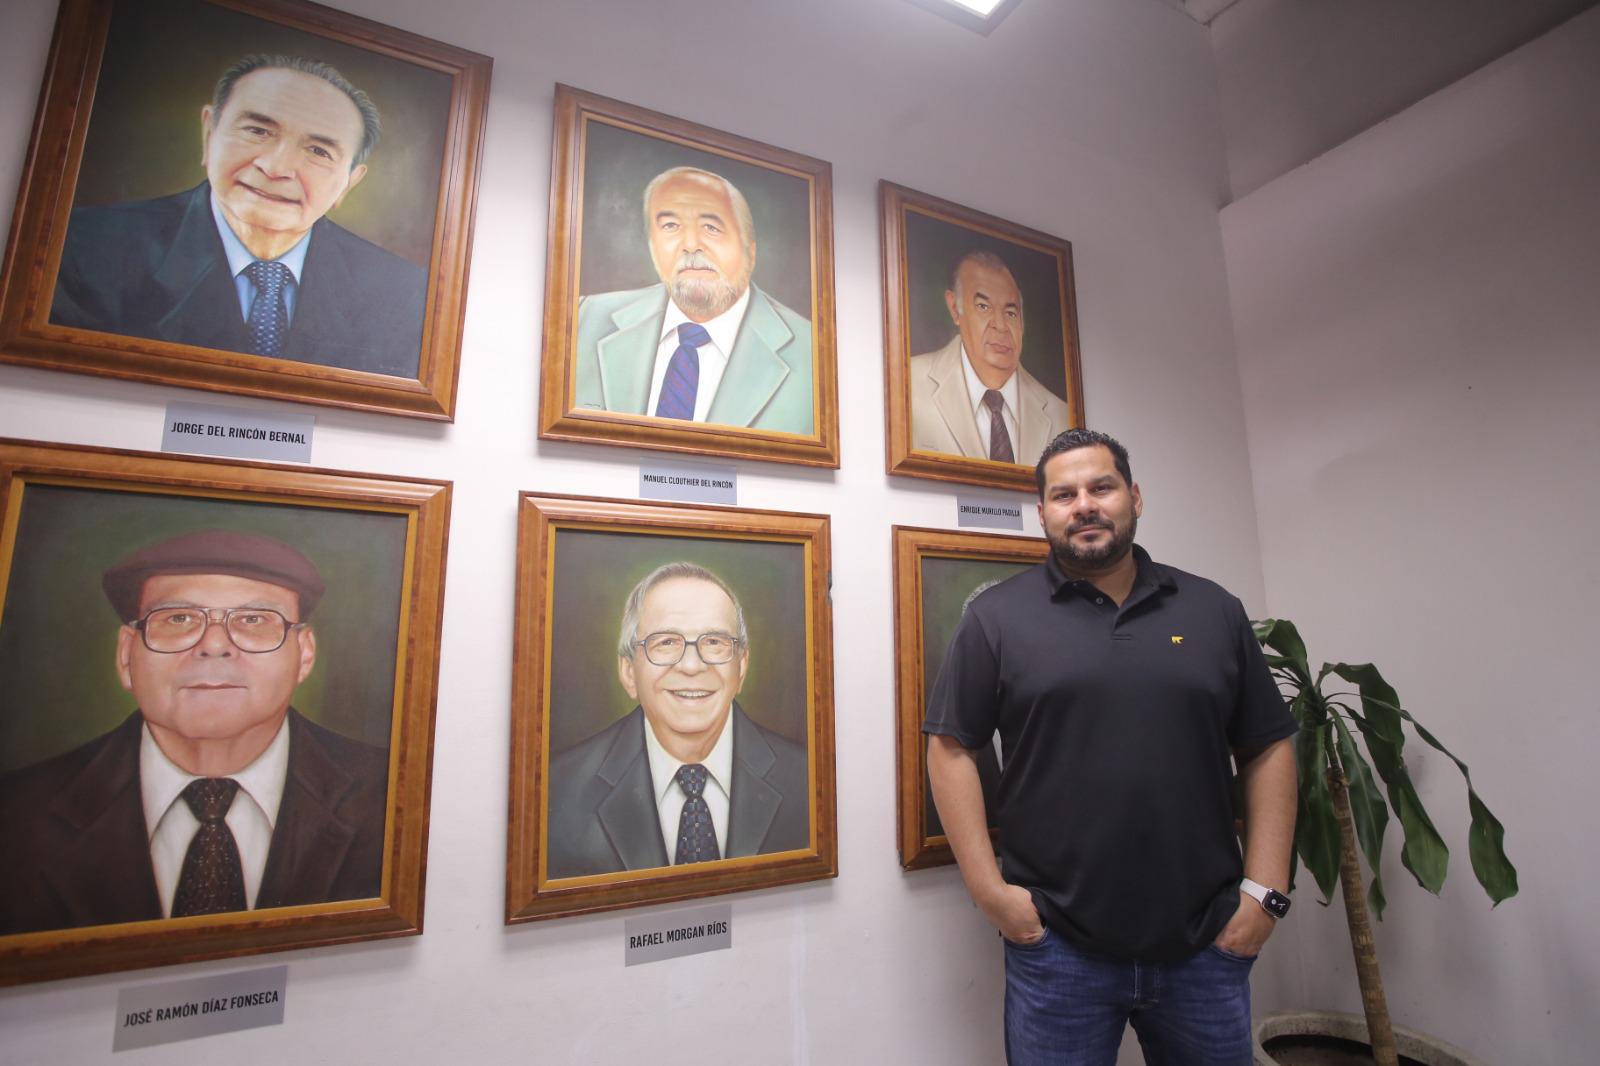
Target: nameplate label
{"x": 989, "y": 512}
{"x": 238, "y": 433}
{"x": 667, "y": 936}
{"x": 148, "y": 1015}
{"x": 694, "y": 482}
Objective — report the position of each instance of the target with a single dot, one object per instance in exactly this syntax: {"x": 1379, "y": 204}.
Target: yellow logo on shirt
{"x": 1177, "y": 640}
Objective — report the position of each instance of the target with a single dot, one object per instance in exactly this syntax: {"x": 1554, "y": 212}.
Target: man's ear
{"x": 1138, "y": 501}
{"x": 308, "y": 652}
{"x": 625, "y": 675}
{"x": 126, "y": 638}
{"x": 356, "y": 174}
{"x": 955, "y": 308}
{"x": 205, "y": 134}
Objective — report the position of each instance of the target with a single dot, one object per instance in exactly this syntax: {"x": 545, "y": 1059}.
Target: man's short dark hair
{"x": 371, "y": 128}
{"x": 1073, "y": 439}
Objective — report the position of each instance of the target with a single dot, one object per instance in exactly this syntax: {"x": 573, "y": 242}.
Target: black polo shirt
{"x": 1115, "y": 800}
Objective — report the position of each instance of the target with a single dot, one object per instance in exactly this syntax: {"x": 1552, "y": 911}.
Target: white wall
{"x": 1094, "y": 120}
{"x": 1419, "y": 345}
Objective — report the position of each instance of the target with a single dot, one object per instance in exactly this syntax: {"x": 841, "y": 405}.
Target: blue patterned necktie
{"x": 683, "y": 373}
{"x": 697, "y": 840}
{"x": 212, "y": 879}
{"x": 269, "y": 315}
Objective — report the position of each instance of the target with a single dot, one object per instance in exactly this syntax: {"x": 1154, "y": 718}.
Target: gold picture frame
{"x": 605, "y": 302}
{"x": 112, "y": 269}
{"x": 936, "y": 573}
{"x": 585, "y": 834}
{"x": 932, "y": 420}
{"x": 67, "y": 513}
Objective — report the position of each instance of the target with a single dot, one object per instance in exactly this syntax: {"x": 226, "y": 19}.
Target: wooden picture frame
{"x": 936, "y": 573}
{"x": 584, "y": 834}
{"x": 933, "y": 420}
{"x": 112, "y": 270}
{"x": 607, "y": 310}
{"x": 354, "y": 808}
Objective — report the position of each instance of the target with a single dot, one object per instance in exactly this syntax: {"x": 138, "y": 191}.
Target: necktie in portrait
{"x": 697, "y": 840}
{"x": 212, "y": 880}
{"x": 678, "y": 388}
{"x": 999, "y": 440}
{"x": 269, "y": 314}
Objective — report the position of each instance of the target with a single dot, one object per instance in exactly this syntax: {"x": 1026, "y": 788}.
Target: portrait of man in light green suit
{"x": 705, "y": 344}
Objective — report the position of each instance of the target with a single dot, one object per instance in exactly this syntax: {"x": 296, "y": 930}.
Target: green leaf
{"x": 1367, "y": 810}
{"x": 1316, "y": 828}
{"x": 1424, "y": 852}
{"x": 1486, "y": 836}
{"x": 1281, "y": 636}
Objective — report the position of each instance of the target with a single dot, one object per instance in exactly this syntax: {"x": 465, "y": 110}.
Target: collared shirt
{"x": 172, "y": 824}
{"x": 670, "y": 796}
{"x": 1009, "y": 392}
{"x": 1115, "y": 799}
{"x": 239, "y": 258}
{"x": 724, "y": 329}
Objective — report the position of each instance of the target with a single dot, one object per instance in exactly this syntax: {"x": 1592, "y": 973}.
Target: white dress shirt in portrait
{"x": 670, "y": 796}
{"x": 172, "y": 824}
{"x": 724, "y": 329}
{"x": 980, "y": 411}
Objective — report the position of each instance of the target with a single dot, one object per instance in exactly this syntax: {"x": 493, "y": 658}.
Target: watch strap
{"x": 1260, "y": 893}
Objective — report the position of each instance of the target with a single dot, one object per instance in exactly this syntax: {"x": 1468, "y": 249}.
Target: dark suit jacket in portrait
{"x": 77, "y": 851}
{"x": 157, "y": 269}
{"x": 767, "y": 384}
{"x": 603, "y": 815}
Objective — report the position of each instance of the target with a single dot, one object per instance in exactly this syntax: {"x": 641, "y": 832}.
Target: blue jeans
{"x": 1066, "y": 1008}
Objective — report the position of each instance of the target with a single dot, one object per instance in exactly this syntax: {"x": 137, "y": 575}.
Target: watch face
{"x": 1276, "y": 903}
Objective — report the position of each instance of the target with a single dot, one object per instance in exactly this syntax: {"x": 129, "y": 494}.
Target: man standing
{"x": 1120, "y": 687}
{"x": 686, "y": 776}
{"x": 704, "y": 345}
{"x": 246, "y": 261}
{"x": 973, "y": 397}
{"x": 215, "y": 795}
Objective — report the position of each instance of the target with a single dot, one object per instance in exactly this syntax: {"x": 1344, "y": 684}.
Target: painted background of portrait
{"x": 934, "y": 246}
{"x": 58, "y": 632}
{"x": 593, "y": 573}
{"x": 946, "y": 584}
{"x": 615, "y": 250}
{"x": 162, "y": 61}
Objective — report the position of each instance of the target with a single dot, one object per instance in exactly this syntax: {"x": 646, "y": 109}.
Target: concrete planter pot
{"x": 1337, "y": 1032}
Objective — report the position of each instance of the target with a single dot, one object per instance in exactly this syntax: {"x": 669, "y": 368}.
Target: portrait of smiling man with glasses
{"x": 686, "y": 776}
{"x": 215, "y": 795}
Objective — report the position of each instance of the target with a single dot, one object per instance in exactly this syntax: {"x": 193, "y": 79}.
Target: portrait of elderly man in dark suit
{"x": 246, "y": 261}
{"x": 705, "y": 344}
{"x": 686, "y": 776}
{"x": 215, "y": 794}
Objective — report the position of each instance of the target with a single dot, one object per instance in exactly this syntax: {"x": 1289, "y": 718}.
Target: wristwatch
{"x": 1272, "y": 901}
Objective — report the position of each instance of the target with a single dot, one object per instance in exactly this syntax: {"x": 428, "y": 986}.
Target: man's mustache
{"x": 1088, "y": 523}
{"x": 694, "y": 261}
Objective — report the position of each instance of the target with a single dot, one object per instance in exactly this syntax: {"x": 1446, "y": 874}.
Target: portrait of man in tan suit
{"x": 973, "y": 397}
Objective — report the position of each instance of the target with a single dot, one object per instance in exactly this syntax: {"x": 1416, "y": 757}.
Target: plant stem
{"x": 1380, "y": 1031}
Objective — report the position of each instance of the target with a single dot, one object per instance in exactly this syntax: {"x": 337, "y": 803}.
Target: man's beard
{"x": 1071, "y": 557}
{"x": 699, "y": 297}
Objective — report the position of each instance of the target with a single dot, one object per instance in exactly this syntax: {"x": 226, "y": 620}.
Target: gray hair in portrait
{"x": 983, "y": 259}
{"x": 666, "y": 572}
{"x": 371, "y": 127}
{"x": 741, "y": 207}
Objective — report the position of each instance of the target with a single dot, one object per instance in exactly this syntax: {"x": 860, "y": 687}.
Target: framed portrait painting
{"x": 937, "y": 573}
{"x": 672, "y": 706}
{"x": 688, "y": 289}
{"x": 216, "y": 707}
{"x": 980, "y": 341}
{"x": 262, "y": 197}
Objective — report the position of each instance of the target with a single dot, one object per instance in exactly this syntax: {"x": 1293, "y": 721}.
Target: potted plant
{"x": 1342, "y": 812}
